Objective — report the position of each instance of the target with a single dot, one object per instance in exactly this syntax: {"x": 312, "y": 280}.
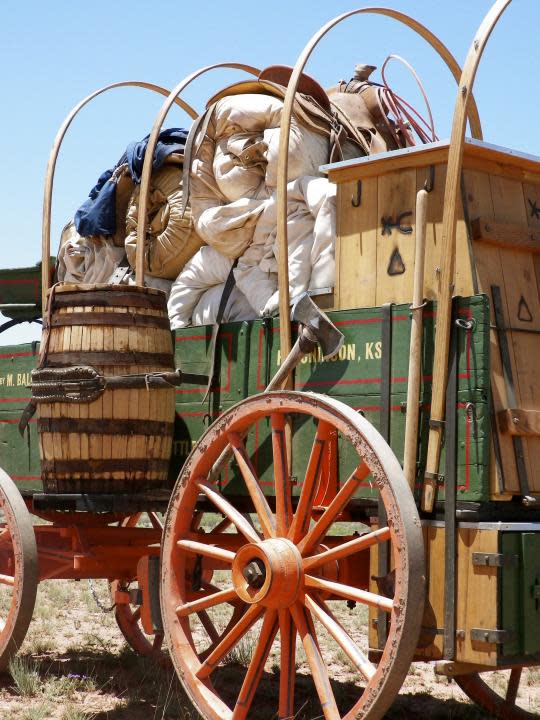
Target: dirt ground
{"x": 75, "y": 665}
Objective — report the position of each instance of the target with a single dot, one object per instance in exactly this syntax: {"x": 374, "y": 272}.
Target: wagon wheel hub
{"x": 268, "y": 573}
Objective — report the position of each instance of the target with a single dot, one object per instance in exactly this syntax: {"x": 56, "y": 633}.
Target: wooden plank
{"x": 489, "y": 272}
{"x": 523, "y": 305}
{"x": 477, "y": 596}
{"x": 377, "y": 166}
{"x": 356, "y": 246}
{"x": 396, "y": 201}
{"x": 433, "y": 228}
{"x": 506, "y": 235}
{"x": 531, "y": 195}
{"x": 463, "y": 271}
{"x": 478, "y": 156}
{"x": 516, "y": 421}
{"x": 431, "y": 640}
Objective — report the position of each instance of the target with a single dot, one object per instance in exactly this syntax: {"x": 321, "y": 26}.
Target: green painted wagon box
{"x": 21, "y": 289}
{"x": 18, "y": 456}
{"x": 192, "y": 355}
{"x": 520, "y": 591}
{"x": 357, "y": 368}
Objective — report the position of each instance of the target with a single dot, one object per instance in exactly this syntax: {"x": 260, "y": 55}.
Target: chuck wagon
{"x": 380, "y": 507}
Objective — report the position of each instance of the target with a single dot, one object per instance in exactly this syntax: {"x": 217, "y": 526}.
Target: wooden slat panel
{"x": 523, "y": 312}
{"x": 356, "y": 247}
{"x": 489, "y": 272}
{"x": 514, "y": 237}
{"x": 396, "y": 195}
{"x": 431, "y": 641}
{"x": 476, "y": 595}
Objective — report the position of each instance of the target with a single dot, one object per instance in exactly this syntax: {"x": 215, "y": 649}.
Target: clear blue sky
{"x": 54, "y": 52}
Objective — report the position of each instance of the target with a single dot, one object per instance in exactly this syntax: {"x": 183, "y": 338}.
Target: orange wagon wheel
{"x": 128, "y": 617}
{"x": 18, "y": 569}
{"x": 498, "y": 693}
{"x": 292, "y": 569}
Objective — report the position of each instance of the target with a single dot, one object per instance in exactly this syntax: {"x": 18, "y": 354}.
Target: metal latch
{"x": 495, "y": 560}
{"x": 497, "y": 637}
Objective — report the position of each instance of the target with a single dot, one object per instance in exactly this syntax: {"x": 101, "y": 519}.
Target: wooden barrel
{"x": 122, "y": 441}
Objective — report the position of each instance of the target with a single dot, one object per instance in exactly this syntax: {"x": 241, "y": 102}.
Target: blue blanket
{"x": 97, "y": 215}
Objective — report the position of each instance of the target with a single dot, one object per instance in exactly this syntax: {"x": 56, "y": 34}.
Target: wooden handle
{"x": 51, "y": 166}
{"x": 415, "y": 351}
{"x": 149, "y": 155}
{"x": 451, "y": 201}
{"x": 282, "y": 239}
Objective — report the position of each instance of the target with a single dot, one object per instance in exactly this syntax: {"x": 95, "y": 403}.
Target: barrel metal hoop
{"x": 104, "y": 359}
{"x": 128, "y": 319}
{"x": 109, "y": 299}
{"x": 78, "y": 465}
{"x": 104, "y": 426}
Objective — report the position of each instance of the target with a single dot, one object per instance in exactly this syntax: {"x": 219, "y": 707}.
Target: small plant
{"x": 24, "y": 672}
{"x": 73, "y": 713}
{"x": 242, "y": 653}
{"x": 36, "y": 712}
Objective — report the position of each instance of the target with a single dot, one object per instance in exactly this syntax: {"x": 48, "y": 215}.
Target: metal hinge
{"x": 497, "y": 637}
{"x": 495, "y": 559}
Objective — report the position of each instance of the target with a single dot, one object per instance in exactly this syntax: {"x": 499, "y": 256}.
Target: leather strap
{"x": 225, "y": 295}
{"x": 198, "y": 129}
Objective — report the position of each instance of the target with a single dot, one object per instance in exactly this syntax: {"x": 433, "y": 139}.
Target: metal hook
{"x": 430, "y": 180}
{"x": 357, "y": 201}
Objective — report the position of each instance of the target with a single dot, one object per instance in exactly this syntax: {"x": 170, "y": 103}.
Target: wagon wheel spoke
{"x": 155, "y": 521}
{"x": 363, "y": 542}
{"x": 287, "y": 633}
{"x": 230, "y": 511}
{"x": 260, "y": 503}
{"x": 513, "y": 685}
{"x": 231, "y": 639}
{"x": 282, "y": 477}
{"x": 222, "y": 525}
{"x": 350, "y": 593}
{"x": 207, "y": 601}
{"x": 210, "y": 551}
{"x": 318, "y": 531}
{"x": 316, "y": 662}
{"x": 136, "y": 616}
{"x": 256, "y": 666}
{"x": 196, "y": 522}
{"x": 208, "y": 625}
{"x": 7, "y": 580}
{"x": 302, "y": 516}
{"x": 341, "y": 636}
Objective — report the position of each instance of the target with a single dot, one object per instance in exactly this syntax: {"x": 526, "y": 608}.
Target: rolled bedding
{"x": 86, "y": 259}
{"x": 170, "y": 238}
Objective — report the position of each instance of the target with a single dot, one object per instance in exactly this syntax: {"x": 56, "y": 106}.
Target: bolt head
{"x": 255, "y": 573}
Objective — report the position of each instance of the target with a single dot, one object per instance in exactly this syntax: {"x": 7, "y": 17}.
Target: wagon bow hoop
{"x": 285, "y": 126}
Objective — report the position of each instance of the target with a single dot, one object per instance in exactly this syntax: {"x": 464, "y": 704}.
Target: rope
{"x": 405, "y": 114}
